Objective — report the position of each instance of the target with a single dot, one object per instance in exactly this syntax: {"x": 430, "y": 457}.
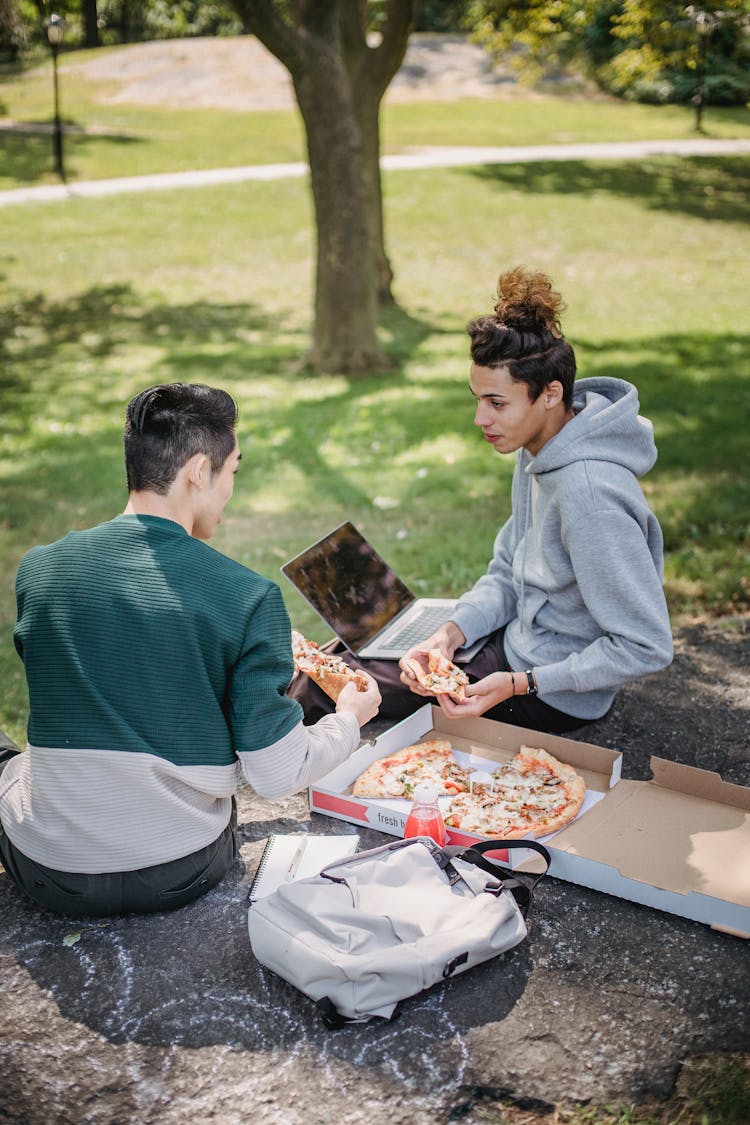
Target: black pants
{"x": 398, "y": 702}
{"x": 165, "y": 886}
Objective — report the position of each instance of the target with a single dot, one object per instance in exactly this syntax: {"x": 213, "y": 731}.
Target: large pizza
{"x": 534, "y": 794}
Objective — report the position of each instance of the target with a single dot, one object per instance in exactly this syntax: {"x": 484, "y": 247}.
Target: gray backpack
{"x": 371, "y": 930}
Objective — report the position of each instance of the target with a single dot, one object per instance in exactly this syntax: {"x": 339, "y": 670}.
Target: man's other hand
{"x": 446, "y": 640}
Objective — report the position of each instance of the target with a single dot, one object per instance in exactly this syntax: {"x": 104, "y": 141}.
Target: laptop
{"x": 363, "y": 601}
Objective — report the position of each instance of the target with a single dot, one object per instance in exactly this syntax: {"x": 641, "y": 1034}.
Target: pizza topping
{"x": 532, "y": 795}
{"x": 396, "y": 775}
{"x": 326, "y": 668}
{"x": 441, "y": 677}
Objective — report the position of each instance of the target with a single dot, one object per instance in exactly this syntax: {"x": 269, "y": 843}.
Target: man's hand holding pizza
{"x": 446, "y": 640}
{"x": 479, "y": 697}
{"x": 352, "y": 690}
{"x": 362, "y": 702}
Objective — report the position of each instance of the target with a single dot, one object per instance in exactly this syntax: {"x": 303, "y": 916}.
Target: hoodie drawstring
{"x": 527, "y": 514}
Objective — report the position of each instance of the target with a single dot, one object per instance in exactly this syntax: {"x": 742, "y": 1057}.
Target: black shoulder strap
{"x": 520, "y": 883}
{"x": 334, "y": 1020}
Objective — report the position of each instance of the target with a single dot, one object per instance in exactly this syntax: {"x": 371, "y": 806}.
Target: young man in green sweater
{"x": 157, "y": 671}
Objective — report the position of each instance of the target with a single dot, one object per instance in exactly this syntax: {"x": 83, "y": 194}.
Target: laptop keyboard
{"x": 425, "y": 623}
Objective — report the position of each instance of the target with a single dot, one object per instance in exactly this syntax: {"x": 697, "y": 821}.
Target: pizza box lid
{"x": 679, "y": 842}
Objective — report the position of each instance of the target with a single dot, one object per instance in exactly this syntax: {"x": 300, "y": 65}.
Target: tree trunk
{"x": 339, "y": 81}
{"x": 345, "y": 337}
{"x": 371, "y": 68}
{"x": 368, "y": 115}
{"x": 90, "y": 24}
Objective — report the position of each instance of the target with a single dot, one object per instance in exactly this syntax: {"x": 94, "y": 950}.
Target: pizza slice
{"x": 397, "y": 774}
{"x": 441, "y": 678}
{"x": 534, "y": 794}
{"x": 487, "y": 812}
{"x": 328, "y": 670}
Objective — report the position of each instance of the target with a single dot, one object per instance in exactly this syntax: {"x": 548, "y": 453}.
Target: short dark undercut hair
{"x": 168, "y": 424}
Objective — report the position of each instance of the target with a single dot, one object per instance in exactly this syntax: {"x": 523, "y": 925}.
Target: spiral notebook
{"x": 286, "y": 858}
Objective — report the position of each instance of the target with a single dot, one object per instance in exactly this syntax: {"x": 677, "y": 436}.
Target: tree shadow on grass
{"x": 25, "y": 158}
{"x": 28, "y": 156}
{"x": 706, "y": 187}
{"x": 59, "y": 361}
{"x": 692, "y": 388}
{"x": 102, "y": 319}
{"x": 63, "y": 390}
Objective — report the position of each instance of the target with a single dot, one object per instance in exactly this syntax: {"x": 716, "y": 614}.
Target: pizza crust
{"x": 441, "y": 677}
{"x": 397, "y": 774}
{"x": 329, "y": 671}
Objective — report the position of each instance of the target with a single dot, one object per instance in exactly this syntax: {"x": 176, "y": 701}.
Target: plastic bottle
{"x": 425, "y": 818}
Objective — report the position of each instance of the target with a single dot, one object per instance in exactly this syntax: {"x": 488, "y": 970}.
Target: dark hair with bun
{"x": 524, "y": 334}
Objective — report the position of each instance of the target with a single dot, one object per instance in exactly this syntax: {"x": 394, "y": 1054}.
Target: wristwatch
{"x": 532, "y": 689}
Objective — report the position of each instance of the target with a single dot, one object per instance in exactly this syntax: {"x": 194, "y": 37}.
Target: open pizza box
{"x": 679, "y": 842}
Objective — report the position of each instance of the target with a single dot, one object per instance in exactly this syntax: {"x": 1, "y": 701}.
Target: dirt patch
{"x": 239, "y": 73}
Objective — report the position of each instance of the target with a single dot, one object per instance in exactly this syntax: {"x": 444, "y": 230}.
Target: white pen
{"x": 296, "y": 859}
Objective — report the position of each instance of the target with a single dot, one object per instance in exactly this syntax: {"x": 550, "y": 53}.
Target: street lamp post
{"x": 55, "y": 27}
{"x": 704, "y": 23}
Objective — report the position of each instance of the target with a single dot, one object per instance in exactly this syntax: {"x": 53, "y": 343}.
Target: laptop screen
{"x": 349, "y": 585}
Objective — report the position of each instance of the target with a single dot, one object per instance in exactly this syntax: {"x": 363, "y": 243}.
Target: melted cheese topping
{"x": 309, "y": 658}
{"x": 398, "y": 779}
{"x": 516, "y": 798}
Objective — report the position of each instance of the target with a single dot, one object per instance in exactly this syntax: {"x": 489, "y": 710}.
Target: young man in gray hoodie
{"x": 572, "y": 601}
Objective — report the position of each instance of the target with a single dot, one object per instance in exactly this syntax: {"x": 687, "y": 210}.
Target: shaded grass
{"x": 101, "y": 298}
{"x": 707, "y": 188}
{"x": 100, "y": 143}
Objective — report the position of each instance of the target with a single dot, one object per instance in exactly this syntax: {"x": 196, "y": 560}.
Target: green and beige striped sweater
{"x": 157, "y": 671}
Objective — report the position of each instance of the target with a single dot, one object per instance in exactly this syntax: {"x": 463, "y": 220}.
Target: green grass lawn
{"x": 103, "y": 297}
{"x": 104, "y": 140}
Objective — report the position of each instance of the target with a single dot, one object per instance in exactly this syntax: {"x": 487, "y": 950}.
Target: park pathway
{"x": 426, "y": 158}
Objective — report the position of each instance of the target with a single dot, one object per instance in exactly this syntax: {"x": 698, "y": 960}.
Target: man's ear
{"x": 197, "y": 470}
{"x": 553, "y": 394}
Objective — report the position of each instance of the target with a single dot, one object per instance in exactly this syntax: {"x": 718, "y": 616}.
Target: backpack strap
{"x": 520, "y": 883}
{"x": 334, "y": 1020}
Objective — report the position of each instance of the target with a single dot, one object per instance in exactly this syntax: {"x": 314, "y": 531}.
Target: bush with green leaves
{"x": 643, "y": 50}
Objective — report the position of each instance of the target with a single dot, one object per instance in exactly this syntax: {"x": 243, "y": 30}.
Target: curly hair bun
{"x": 526, "y": 300}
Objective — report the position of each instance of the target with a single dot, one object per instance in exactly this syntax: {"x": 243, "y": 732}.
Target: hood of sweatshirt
{"x": 606, "y": 427}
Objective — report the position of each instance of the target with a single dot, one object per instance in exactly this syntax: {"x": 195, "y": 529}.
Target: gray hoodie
{"x": 577, "y": 569}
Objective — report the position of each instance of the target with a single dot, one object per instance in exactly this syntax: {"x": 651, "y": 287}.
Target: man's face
{"x": 504, "y": 413}
{"x": 215, "y": 496}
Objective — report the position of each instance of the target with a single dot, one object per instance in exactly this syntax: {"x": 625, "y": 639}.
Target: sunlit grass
{"x": 101, "y": 298}
{"x": 111, "y": 139}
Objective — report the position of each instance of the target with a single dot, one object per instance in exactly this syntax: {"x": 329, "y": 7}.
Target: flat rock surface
{"x": 169, "y": 1019}
{"x": 240, "y": 73}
